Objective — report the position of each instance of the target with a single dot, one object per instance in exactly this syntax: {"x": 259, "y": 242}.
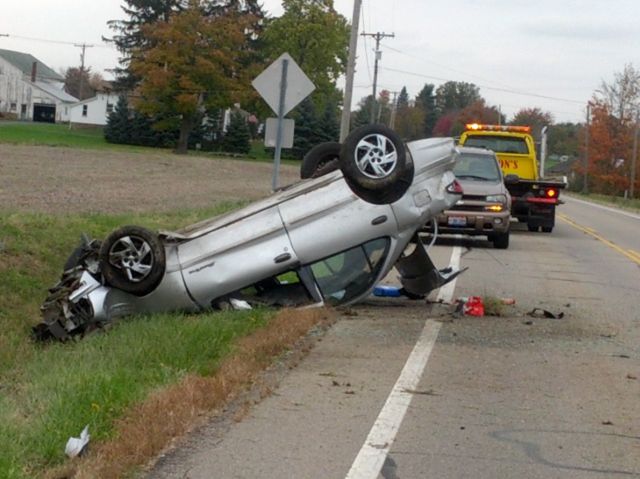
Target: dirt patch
{"x": 67, "y": 180}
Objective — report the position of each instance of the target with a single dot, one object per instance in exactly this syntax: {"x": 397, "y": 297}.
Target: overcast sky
{"x": 562, "y": 49}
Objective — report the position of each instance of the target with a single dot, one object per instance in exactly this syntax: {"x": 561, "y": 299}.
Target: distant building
{"x": 30, "y": 90}
{"x": 94, "y": 111}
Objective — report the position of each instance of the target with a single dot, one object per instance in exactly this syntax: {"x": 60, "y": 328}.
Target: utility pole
{"x": 378, "y": 36}
{"x": 634, "y": 158}
{"x": 585, "y": 179}
{"x": 394, "y": 110}
{"x": 351, "y": 68}
{"x": 84, "y": 47}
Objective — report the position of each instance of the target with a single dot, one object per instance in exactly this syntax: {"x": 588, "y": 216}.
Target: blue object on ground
{"x": 392, "y": 291}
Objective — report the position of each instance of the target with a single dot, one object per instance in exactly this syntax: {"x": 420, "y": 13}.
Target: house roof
{"x": 56, "y": 92}
{"x": 24, "y": 61}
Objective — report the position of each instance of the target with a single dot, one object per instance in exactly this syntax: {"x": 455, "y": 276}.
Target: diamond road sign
{"x": 298, "y": 84}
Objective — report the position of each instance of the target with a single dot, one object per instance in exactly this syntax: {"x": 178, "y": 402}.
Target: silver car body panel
{"x": 300, "y": 225}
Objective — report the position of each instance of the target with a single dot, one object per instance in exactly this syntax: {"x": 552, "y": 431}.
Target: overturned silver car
{"x": 325, "y": 240}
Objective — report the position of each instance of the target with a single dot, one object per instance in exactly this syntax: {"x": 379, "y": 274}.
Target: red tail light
{"x": 552, "y": 193}
{"x": 455, "y": 188}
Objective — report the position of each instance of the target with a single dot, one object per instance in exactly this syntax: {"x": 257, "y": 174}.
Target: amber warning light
{"x": 551, "y": 193}
{"x": 514, "y": 129}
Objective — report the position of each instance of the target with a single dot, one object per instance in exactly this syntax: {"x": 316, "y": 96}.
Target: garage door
{"x": 44, "y": 113}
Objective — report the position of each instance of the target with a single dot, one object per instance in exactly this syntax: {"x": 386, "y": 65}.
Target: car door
{"x": 236, "y": 255}
{"x": 326, "y": 221}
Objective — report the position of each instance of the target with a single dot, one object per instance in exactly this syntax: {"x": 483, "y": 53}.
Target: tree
{"x": 409, "y": 123}
{"x": 565, "y": 139}
{"x": 453, "y": 95}
{"x": 195, "y": 64}
{"x": 403, "y": 99}
{"x": 317, "y": 37}
{"x": 533, "y": 117}
{"x": 129, "y": 37}
{"x": 622, "y": 96}
{"x": 237, "y": 139}
{"x": 118, "y": 128}
{"x": 78, "y": 83}
{"x": 426, "y": 101}
{"x": 614, "y": 112}
{"x": 306, "y": 129}
{"x": 362, "y": 115}
{"x": 477, "y": 112}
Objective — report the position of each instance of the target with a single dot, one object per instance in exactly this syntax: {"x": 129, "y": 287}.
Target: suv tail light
{"x": 455, "y": 187}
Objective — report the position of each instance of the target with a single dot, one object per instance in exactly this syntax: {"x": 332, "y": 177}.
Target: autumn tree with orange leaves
{"x": 197, "y": 62}
{"x": 614, "y": 111}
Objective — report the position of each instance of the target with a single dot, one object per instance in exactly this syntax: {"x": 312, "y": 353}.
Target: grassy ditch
{"x": 607, "y": 200}
{"x": 50, "y": 392}
{"x": 28, "y": 133}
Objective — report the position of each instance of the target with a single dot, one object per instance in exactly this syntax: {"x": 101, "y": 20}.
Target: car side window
{"x": 348, "y": 274}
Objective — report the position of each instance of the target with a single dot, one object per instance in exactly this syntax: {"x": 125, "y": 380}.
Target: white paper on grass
{"x": 75, "y": 445}
{"x": 239, "y": 304}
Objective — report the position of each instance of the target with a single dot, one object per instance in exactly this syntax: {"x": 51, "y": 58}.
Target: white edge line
{"x": 373, "y": 453}
{"x": 602, "y": 207}
{"x": 445, "y": 295}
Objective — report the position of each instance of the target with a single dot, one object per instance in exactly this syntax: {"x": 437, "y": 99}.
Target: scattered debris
{"x": 76, "y": 446}
{"x": 623, "y": 356}
{"x": 239, "y": 304}
{"x": 329, "y": 374}
{"x": 508, "y": 301}
{"x": 427, "y": 392}
{"x": 387, "y": 291}
{"x": 543, "y": 313}
{"x": 528, "y": 322}
{"x": 607, "y": 423}
{"x": 471, "y": 306}
{"x": 631, "y": 376}
{"x": 350, "y": 391}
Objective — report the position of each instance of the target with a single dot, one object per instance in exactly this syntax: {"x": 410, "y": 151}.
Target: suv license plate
{"x": 457, "y": 221}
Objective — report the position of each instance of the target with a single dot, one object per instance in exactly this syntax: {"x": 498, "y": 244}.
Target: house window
{"x": 85, "y": 109}
{"x": 109, "y": 107}
{"x": 12, "y": 107}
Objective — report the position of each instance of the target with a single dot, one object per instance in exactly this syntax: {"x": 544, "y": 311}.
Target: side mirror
{"x": 511, "y": 179}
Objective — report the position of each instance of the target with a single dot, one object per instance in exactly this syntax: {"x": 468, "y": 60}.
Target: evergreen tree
{"x": 329, "y": 123}
{"x": 403, "y": 99}
{"x": 237, "y": 138}
{"x": 426, "y": 101}
{"x": 306, "y": 131}
{"x": 118, "y": 128}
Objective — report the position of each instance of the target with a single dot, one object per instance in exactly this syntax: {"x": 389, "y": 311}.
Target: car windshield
{"x": 477, "y": 167}
{"x": 499, "y": 144}
{"x": 347, "y": 275}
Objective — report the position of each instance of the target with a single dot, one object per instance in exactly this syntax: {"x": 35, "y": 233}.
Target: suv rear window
{"x": 477, "y": 167}
{"x": 499, "y": 144}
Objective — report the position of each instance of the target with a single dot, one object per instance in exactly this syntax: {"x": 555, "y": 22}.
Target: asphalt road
{"x": 404, "y": 389}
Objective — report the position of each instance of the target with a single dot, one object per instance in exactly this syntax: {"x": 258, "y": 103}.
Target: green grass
{"x": 616, "y": 201}
{"x": 52, "y": 135}
{"x": 50, "y": 392}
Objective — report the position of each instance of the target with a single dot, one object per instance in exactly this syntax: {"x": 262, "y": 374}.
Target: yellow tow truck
{"x": 533, "y": 199}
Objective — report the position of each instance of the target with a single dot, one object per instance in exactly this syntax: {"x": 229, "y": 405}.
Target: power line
{"x": 58, "y": 42}
{"x": 503, "y": 90}
{"x": 378, "y": 36}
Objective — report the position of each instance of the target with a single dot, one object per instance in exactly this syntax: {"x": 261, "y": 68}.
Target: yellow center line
{"x": 632, "y": 255}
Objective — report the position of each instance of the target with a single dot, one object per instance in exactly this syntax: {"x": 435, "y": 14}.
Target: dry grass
{"x": 149, "y": 427}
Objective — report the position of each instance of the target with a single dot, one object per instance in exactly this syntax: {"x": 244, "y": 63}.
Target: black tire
{"x": 532, "y": 228}
{"x": 374, "y": 158}
{"x": 501, "y": 240}
{"x": 547, "y": 229}
{"x": 389, "y": 195}
{"x": 132, "y": 259}
{"x": 320, "y": 160}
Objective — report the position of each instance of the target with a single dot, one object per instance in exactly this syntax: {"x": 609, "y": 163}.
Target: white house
{"x": 30, "y": 90}
{"x": 93, "y": 111}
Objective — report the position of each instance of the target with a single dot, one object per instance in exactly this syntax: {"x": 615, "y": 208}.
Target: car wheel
{"x": 374, "y": 158}
{"x": 389, "y": 195}
{"x": 320, "y": 160}
{"x": 501, "y": 240}
{"x": 132, "y": 259}
{"x": 532, "y": 228}
{"x": 547, "y": 229}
